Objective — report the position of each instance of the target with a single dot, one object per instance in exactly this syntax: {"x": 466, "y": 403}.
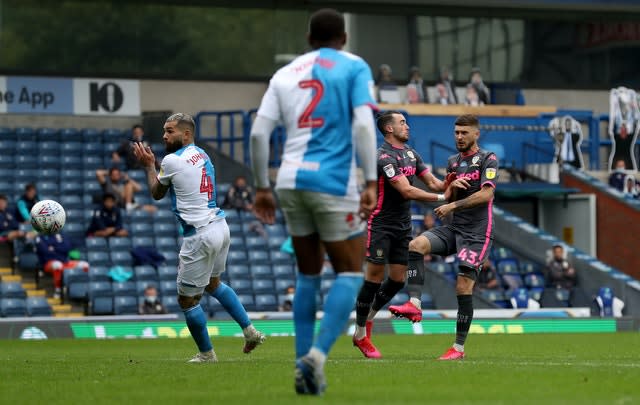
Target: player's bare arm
{"x": 145, "y": 155}
{"x": 433, "y": 182}
{"x": 368, "y": 199}
{"x": 409, "y": 192}
{"x": 483, "y": 196}
{"x": 265, "y": 205}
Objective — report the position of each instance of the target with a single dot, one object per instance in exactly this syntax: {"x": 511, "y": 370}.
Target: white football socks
{"x": 416, "y": 302}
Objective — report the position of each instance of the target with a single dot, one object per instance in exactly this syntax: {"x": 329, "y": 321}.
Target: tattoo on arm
{"x": 479, "y": 197}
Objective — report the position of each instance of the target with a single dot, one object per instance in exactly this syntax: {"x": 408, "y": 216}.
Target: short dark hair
{"x": 3, "y": 197}
{"x": 137, "y": 126}
{"x": 185, "y": 121}
{"x": 325, "y": 25}
{"x": 106, "y": 196}
{"x": 113, "y": 169}
{"x": 385, "y": 119}
{"x": 29, "y": 186}
{"x": 468, "y": 120}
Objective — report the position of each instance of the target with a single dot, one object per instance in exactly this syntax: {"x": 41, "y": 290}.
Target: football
{"x": 48, "y": 217}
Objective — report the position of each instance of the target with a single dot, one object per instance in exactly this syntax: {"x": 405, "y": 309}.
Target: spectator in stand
{"x": 449, "y": 93}
{"x": 385, "y": 82}
{"x": 617, "y": 177}
{"x": 416, "y": 88}
{"x": 475, "y": 81}
{"x": 107, "y": 220}
{"x": 125, "y": 151}
{"x": 239, "y": 195}
{"x": 122, "y": 187}
{"x": 9, "y": 226}
{"x": 54, "y": 253}
{"x": 26, "y": 202}
{"x": 287, "y": 304}
{"x": 442, "y": 97}
{"x": 487, "y": 277}
{"x": 630, "y": 189}
{"x": 559, "y": 272}
{"x": 471, "y": 97}
{"x": 151, "y": 304}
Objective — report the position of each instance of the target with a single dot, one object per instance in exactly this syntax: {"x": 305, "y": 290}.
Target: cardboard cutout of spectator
{"x": 567, "y": 135}
{"x": 624, "y": 124}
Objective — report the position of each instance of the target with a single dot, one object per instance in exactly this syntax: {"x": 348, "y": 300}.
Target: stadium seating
{"x": 266, "y": 302}
{"x": 125, "y": 305}
{"x": 170, "y": 303}
{"x": 13, "y": 307}
{"x": 38, "y": 306}
{"x": 12, "y": 289}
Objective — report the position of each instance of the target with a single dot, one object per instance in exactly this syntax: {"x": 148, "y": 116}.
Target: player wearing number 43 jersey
{"x": 324, "y": 99}
{"x": 469, "y": 234}
{"x": 188, "y": 175}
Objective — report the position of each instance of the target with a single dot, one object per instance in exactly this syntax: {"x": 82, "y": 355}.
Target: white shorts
{"x": 333, "y": 218}
{"x": 203, "y": 256}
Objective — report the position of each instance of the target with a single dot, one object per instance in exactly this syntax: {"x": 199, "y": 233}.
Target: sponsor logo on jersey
{"x": 407, "y": 170}
{"x": 490, "y": 173}
{"x": 474, "y": 175}
{"x": 389, "y": 170}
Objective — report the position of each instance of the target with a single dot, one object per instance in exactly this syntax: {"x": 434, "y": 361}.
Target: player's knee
{"x": 214, "y": 283}
{"x": 465, "y": 280}
{"x": 420, "y": 244}
{"x": 188, "y": 302}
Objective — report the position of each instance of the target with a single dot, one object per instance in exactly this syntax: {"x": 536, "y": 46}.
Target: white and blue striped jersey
{"x": 314, "y": 97}
{"x": 190, "y": 176}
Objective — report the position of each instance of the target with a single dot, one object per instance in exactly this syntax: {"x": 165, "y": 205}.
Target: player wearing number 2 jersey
{"x": 188, "y": 174}
{"x": 324, "y": 99}
{"x": 470, "y": 232}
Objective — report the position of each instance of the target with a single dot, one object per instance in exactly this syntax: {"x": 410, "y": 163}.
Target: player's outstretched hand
{"x": 144, "y": 154}
{"x": 265, "y": 206}
{"x": 368, "y": 199}
{"x": 444, "y": 211}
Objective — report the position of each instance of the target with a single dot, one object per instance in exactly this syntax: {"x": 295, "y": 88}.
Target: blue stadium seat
{"x": 99, "y": 273}
{"x": 121, "y": 258}
{"x": 508, "y": 266}
{"x": 232, "y": 215}
{"x": 13, "y": 307}
{"x": 26, "y": 147}
{"x": 88, "y": 162}
{"x": 278, "y": 257}
{"x": 238, "y": 271}
{"x": 8, "y": 146}
{"x": 71, "y": 201}
{"x": 142, "y": 229}
{"x": 38, "y": 306}
{"x": 258, "y": 257}
{"x": 167, "y": 273}
{"x": 555, "y": 297}
{"x": 138, "y": 241}
{"x": 237, "y": 242}
{"x": 146, "y": 273}
{"x": 71, "y": 162}
{"x": 48, "y": 134}
{"x": 48, "y": 174}
{"x": 7, "y": 133}
{"x": 97, "y": 258}
{"x": 70, "y": 135}
{"x": 91, "y": 135}
{"x": 281, "y": 284}
{"x": 266, "y": 302}
{"x": 48, "y": 187}
{"x": 283, "y": 270}
{"x": 512, "y": 281}
{"x": 247, "y": 301}
{"x": 235, "y": 229}
{"x": 170, "y": 303}
{"x": 25, "y": 133}
{"x": 168, "y": 287}
{"x": 27, "y": 175}
{"x": 49, "y": 148}
{"x": 237, "y": 257}
{"x": 124, "y": 288}
{"x": 427, "y": 301}
{"x": 256, "y": 243}
{"x": 500, "y": 253}
{"x": 164, "y": 229}
{"x": 263, "y": 271}
{"x": 49, "y": 161}
{"x": 12, "y": 289}
{"x": 7, "y": 161}
{"x": 527, "y": 267}
{"x": 497, "y": 297}
{"x": 536, "y": 293}
{"x": 519, "y": 298}
{"x": 97, "y": 243}
{"x": 125, "y": 305}
{"x": 263, "y": 286}
{"x": 275, "y": 242}
{"x": 76, "y": 283}
{"x": 93, "y": 149}
{"x": 120, "y": 243}
{"x": 171, "y": 257}
{"x": 113, "y": 134}
{"x": 71, "y": 187}
{"x": 164, "y": 243}
{"x": 75, "y": 175}
{"x": 241, "y": 285}
{"x": 71, "y": 148}
{"x": 276, "y": 230}
{"x": 100, "y": 295}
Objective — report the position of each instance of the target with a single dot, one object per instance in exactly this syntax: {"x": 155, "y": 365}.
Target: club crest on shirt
{"x": 389, "y": 170}
{"x": 411, "y": 155}
{"x": 475, "y": 159}
{"x": 490, "y": 173}
{"x": 379, "y": 253}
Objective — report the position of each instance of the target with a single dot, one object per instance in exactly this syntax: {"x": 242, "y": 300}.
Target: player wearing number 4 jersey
{"x": 469, "y": 234}
{"x": 324, "y": 99}
{"x": 188, "y": 174}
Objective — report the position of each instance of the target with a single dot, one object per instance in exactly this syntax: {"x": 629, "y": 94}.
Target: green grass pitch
{"x": 499, "y": 369}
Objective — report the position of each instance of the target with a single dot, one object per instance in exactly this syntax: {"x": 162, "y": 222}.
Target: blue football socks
{"x": 304, "y": 311}
{"x": 337, "y": 308}
{"x": 230, "y": 302}
{"x": 197, "y": 324}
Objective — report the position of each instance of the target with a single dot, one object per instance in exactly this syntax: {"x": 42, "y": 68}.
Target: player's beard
{"x": 171, "y": 147}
